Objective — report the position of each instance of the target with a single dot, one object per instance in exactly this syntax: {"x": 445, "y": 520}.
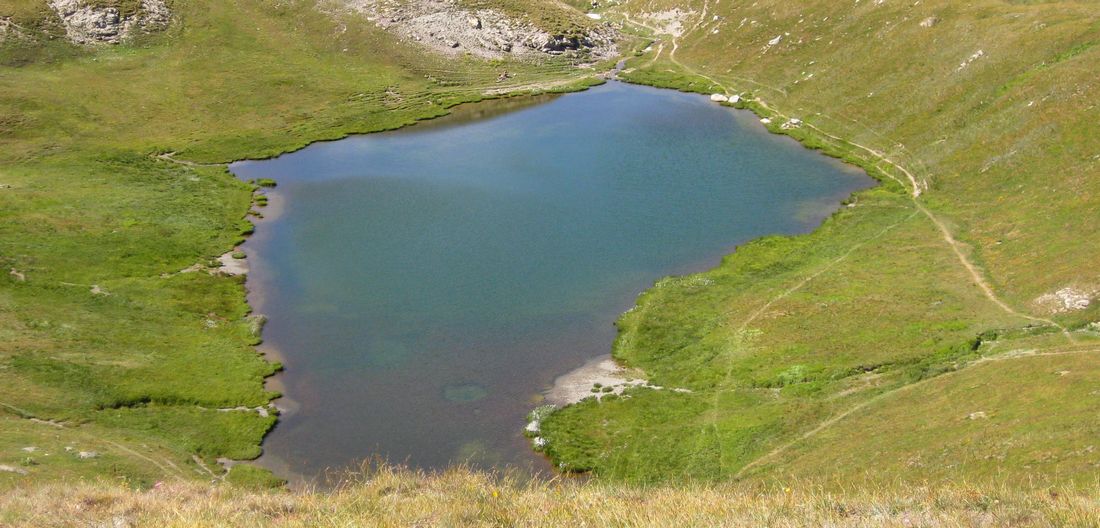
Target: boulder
{"x": 89, "y": 22}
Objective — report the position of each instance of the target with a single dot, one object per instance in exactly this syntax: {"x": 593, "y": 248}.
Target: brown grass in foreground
{"x": 391, "y": 497}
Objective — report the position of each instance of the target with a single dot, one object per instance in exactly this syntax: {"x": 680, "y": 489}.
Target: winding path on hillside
{"x": 166, "y": 466}
{"x": 904, "y": 388}
{"x": 914, "y": 186}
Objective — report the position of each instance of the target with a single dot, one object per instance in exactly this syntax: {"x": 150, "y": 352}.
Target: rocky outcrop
{"x": 447, "y": 27}
{"x": 1067, "y": 299}
{"x": 90, "y": 24}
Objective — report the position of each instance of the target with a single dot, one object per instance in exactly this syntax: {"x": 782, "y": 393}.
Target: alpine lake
{"x": 425, "y": 286}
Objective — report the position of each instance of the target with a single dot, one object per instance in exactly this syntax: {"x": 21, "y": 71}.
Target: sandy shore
{"x": 232, "y": 266}
{"x": 577, "y": 385}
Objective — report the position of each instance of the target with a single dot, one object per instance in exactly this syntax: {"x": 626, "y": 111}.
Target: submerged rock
{"x": 465, "y": 392}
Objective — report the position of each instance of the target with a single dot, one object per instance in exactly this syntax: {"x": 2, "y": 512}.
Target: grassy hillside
{"x": 915, "y": 337}
{"x": 909, "y": 337}
{"x": 461, "y": 498}
{"x": 107, "y": 347}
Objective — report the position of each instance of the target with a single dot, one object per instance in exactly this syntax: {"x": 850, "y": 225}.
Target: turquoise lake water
{"x": 424, "y": 286}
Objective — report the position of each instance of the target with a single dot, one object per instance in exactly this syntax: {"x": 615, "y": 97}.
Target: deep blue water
{"x": 423, "y": 286}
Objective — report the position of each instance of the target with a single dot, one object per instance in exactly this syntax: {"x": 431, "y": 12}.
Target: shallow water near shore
{"x": 424, "y": 286}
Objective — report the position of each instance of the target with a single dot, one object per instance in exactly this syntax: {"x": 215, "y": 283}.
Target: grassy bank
{"x": 117, "y": 357}
{"x": 906, "y": 340}
{"x": 829, "y": 355}
{"x": 461, "y": 498}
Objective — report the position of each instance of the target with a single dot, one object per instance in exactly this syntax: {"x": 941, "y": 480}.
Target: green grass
{"x": 250, "y": 477}
{"x": 974, "y": 423}
{"x": 863, "y": 317}
{"x": 857, "y": 352}
{"x": 106, "y": 334}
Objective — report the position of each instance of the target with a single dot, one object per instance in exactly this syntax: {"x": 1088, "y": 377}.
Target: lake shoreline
{"x": 593, "y": 371}
{"x": 284, "y": 403}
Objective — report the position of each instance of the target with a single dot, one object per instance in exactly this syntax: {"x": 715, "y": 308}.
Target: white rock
{"x": 969, "y": 60}
{"x": 718, "y": 98}
{"x": 775, "y": 40}
{"x": 1066, "y": 299}
{"x": 792, "y": 123}
{"x": 450, "y": 28}
{"x": 91, "y": 24}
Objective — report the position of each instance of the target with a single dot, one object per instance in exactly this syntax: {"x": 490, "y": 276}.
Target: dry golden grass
{"x": 459, "y": 497}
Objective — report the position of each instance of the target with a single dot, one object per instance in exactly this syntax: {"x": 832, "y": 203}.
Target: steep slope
{"x": 125, "y": 350}
{"x": 954, "y": 304}
{"x": 980, "y": 120}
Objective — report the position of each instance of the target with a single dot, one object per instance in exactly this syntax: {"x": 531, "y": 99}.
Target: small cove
{"x": 424, "y": 286}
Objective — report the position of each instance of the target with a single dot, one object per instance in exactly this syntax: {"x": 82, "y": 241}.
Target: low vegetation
{"x": 939, "y": 329}
{"x": 115, "y": 341}
{"x": 979, "y": 121}
{"x": 460, "y": 498}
